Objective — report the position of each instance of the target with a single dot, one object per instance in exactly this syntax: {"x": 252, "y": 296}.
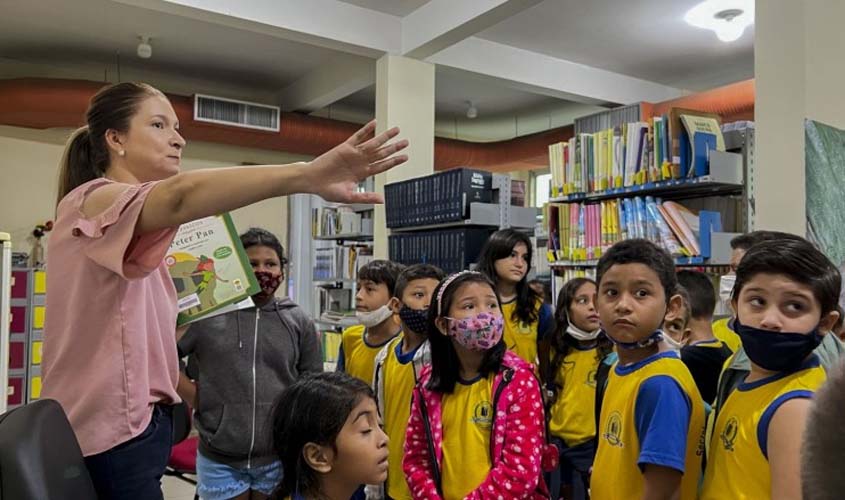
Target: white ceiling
{"x": 399, "y": 8}
{"x": 93, "y": 31}
{"x": 453, "y": 88}
{"x": 647, "y": 39}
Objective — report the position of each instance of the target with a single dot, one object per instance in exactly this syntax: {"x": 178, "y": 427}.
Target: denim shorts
{"x": 221, "y": 482}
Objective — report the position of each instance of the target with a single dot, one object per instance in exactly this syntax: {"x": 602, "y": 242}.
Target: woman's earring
{"x": 122, "y": 153}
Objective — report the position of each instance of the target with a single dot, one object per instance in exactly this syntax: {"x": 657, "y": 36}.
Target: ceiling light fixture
{"x": 472, "y": 111}
{"x": 728, "y": 18}
{"x": 145, "y": 50}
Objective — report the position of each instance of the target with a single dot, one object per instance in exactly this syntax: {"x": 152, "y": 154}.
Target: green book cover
{"x": 210, "y": 269}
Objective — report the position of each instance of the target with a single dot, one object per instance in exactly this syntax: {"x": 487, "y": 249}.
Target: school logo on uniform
{"x": 591, "y": 378}
{"x": 729, "y": 433}
{"x": 482, "y": 415}
{"x": 613, "y": 430}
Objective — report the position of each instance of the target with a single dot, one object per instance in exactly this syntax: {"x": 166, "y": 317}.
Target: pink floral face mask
{"x": 478, "y": 333}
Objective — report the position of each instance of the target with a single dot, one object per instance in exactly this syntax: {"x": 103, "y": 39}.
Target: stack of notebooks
{"x": 672, "y": 146}
{"x": 452, "y": 250}
{"x": 580, "y": 232}
{"x": 438, "y": 198}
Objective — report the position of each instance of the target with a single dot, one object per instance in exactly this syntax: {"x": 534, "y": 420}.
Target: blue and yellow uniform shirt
{"x": 357, "y": 357}
{"x": 572, "y": 416}
{"x": 523, "y": 338}
{"x": 738, "y": 466}
{"x": 652, "y": 414}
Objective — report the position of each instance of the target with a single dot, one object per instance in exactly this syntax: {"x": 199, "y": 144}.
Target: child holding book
{"x": 652, "y": 417}
{"x": 580, "y": 351}
{"x": 506, "y": 260}
{"x": 327, "y": 436}
{"x": 785, "y": 300}
{"x": 361, "y": 343}
{"x": 476, "y": 427}
{"x": 264, "y": 349}
{"x": 400, "y": 362}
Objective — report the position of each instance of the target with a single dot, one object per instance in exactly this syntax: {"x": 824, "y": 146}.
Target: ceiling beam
{"x": 442, "y": 23}
{"x": 325, "y": 23}
{"x": 328, "y": 84}
{"x": 546, "y": 75}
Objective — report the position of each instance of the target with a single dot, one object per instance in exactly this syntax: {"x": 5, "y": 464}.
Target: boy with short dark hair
{"x": 785, "y": 301}
{"x": 650, "y": 435}
{"x": 399, "y": 363}
{"x": 361, "y": 343}
{"x": 704, "y": 354}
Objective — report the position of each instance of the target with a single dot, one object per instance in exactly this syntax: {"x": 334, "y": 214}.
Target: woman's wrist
{"x": 299, "y": 177}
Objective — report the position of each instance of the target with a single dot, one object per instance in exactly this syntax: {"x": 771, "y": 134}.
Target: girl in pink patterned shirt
{"x": 109, "y": 343}
{"x": 476, "y": 428}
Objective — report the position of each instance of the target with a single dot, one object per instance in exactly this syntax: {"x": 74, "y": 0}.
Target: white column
{"x": 798, "y": 70}
{"x": 404, "y": 99}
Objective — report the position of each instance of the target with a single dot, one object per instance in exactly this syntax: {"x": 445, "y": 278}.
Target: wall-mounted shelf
{"x": 350, "y": 237}
{"x": 679, "y": 261}
{"x": 668, "y": 190}
{"x": 484, "y": 214}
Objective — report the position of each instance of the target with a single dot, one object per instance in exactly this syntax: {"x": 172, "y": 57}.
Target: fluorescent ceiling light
{"x": 728, "y": 18}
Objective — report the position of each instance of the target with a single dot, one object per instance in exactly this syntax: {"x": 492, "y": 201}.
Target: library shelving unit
{"x": 324, "y": 259}
{"x": 26, "y": 334}
{"x": 452, "y": 244}
{"x": 5, "y": 311}
{"x": 729, "y": 185}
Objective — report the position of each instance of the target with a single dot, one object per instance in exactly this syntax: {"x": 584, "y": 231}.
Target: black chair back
{"x": 40, "y": 456}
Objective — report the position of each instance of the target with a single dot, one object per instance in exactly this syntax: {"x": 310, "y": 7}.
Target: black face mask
{"x": 776, "y": 351}
{"x": 415, "y": 320}
{"x": 268, "y": 282}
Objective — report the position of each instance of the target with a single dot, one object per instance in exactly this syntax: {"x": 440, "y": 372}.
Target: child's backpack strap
{"x": 602, "y": 373}
{"x": 435, "y": 465}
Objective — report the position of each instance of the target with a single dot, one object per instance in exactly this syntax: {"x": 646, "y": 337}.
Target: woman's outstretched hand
{"x": 337, "y": 172}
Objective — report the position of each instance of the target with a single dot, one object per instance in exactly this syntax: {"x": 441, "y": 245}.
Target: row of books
{"x": 437, "y": 198}
{"x": 331, "y": 221}
{"x": 579, "y": 232}
{"x": 672, "y": 146}
{"x": 339, "y": 262}
{"x": 449, "y": 249}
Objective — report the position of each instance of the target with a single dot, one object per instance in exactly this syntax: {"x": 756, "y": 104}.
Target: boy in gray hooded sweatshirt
{"x": 246, "y": 358}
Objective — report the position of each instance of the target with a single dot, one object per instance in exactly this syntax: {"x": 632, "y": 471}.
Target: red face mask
{"x": 268, "y": 282}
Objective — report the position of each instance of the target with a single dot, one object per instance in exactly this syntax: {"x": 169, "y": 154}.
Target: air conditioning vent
{"x": 235, "y": 113}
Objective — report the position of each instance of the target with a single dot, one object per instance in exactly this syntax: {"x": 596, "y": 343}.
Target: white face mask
{"x": 672, "y": 343}
{"x": 373, "y": 318}
{"x": 579, "y": 334}
{"x": 726, "y": 287}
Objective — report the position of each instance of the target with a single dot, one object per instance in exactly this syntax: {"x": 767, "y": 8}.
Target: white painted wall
{"x": 29, "y": 173}
{"x": 799, "y": 73}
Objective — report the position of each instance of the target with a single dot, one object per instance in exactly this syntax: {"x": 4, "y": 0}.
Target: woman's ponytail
{"x": 77, "y": 166}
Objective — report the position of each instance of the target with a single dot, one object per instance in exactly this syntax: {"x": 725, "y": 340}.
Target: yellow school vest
{"x": 736, "y": 466}
{"x": 359, "y": 357}
{"x": 467, "y": 417}
{"x": 521, "y": 337}
{"x": 616, "y": 474}
{"x": 573, "y": 412}
{"x": 723, "y": 332}
{"x": 399, "y": 384}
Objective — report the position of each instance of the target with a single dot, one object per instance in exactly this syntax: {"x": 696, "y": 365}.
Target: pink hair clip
{"x": 446, "y": 284}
